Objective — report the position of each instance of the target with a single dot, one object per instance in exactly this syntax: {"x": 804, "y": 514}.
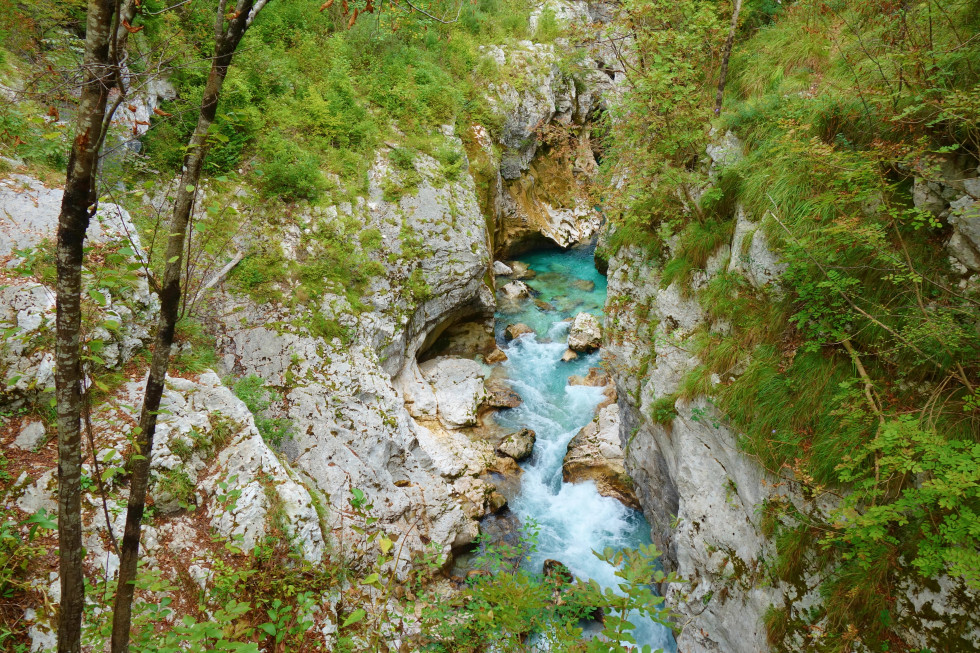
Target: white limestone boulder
{"x": 458, "y": 384}
{"x": 585, "y": 334}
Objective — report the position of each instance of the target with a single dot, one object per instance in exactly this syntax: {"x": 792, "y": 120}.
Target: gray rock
{"x": 28, "y": 217}
{"x": 594, "y": 454}
{"x": 40, "y": 495}
{"x": 928, "y": 196}
{"x": 964, "y": 215}
{"x": 515, "y": 290}
{"x": 31, "y": 436}
{"x": 502, "y": 269}
{"x": 518, "y": 445}
{"x": 459, "y": 389}
{"x": 585, "y": 334}
{"x": 750, "y": 252}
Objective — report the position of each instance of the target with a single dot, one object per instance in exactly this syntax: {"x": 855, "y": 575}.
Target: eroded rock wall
{"x": 701, "y": 493}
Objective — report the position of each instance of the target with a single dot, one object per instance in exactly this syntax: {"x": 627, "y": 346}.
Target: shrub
{"x": 290, "y": 172}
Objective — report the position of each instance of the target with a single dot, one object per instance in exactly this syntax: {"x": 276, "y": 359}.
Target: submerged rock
{"x": 515, "y": 290}
{"x": 585, "y": 285}
{"x": 516, "y": 330}
{"x": 543, "y": 305}
{"x": 501, "y": 269}
{"x": 595, "y": 454}
{"x": 518, "y": 445}
{"x": 584, "y": 335}
{"x": 521, "y": 270}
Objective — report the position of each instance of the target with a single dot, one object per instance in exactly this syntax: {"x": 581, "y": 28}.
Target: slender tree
{"x": 229, "y": 28}
{"x": 78, "y": 205}
{"x": 725, "y": 56}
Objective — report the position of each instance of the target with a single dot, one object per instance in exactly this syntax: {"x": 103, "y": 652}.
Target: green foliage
{"x": 919, "y": 482}
{"x": 665, "y": 110}
{"x": 259, "y": 398}
{"x": 28, "y": 134}
{"x": 198, "y": 352}
{"x": 316, "y": 94}
{"x": 548, "y": 28}
{"x": 290, "y": 172}
{"x": 867, "y": 348}
{"x": 19, "y": 548}
{"x": 506, "y": 603}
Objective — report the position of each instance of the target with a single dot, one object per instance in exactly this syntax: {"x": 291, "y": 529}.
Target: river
{"x": 573, "y": 519}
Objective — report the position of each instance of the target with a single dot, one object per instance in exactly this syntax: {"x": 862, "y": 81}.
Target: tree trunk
{"x": 77, "y": 208}
{"x": 725, "y": 56}
{"x": 225, "y": 44}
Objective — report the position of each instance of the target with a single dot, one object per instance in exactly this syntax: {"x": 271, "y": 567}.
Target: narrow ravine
{"x": 573, "y": 519}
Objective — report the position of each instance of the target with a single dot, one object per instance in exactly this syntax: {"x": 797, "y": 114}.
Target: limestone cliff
{"x": 705, "y": 497}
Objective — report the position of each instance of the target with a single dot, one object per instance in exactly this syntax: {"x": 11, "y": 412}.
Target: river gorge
{"x": 451, "y": 280}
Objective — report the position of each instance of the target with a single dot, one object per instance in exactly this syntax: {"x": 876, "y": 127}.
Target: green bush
{"x": 290, "y": 172}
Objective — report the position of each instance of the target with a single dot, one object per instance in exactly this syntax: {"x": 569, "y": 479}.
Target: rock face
{"x": 547, "y": 157}
{"x": 208, "y": 455}
{"x": 585, "y": 334}
{"x": 951, "y": 192}
{"x": 365, "y": 414}
{"x": 595, "y": 454}
{"x": 699, "y": 492}
{"x": 28, "y": 224}
{"x": 518, "y": 445}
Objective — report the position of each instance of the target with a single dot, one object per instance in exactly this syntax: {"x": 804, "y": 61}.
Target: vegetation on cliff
{"x": 856, "y": 373}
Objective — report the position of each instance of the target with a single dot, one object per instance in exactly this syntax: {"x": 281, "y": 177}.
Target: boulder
{"x": 495, "y": 356}
{"x": 568, "y": 356}
{"x": 964, "y": 216}
{"x": 458, "y": 387}
{"x": 585, "y": 334}
{"x": 499, "y": 395}
{"x": 595, "y": 454}
{"x": 597, "y": 378}
{"x": 30, "y": 437}
{"x": 515, "y": 290}
{"x": 557, "y": 571}
{"x": 501, "y": 269}
{"x": 521, "y": 270}
{"x": 518, "y": 445}
{"x": 516, "y": 330}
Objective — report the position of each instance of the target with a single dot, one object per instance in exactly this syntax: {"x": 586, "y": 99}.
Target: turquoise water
{"x": 573, "y": 519}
